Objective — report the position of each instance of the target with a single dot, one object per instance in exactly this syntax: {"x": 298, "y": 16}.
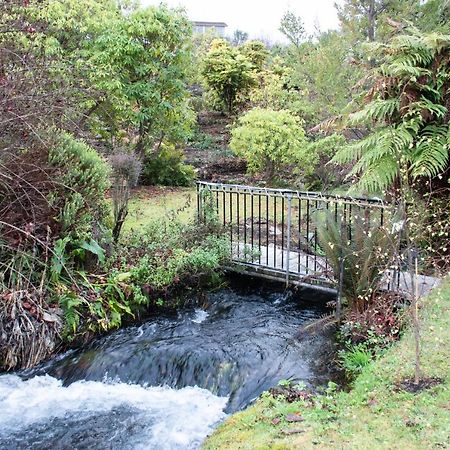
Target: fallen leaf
{"x": 293, "y": 431}
{"x": 49, "y": 317}
{"x": 294, "y": 418}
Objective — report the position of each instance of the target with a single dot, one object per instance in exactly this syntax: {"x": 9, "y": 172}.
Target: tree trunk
{"x": 270, "y": 171}
{"x": 139, "y": 149}
{"x": 413, "y": 272}
{"x": 371, "y": 18}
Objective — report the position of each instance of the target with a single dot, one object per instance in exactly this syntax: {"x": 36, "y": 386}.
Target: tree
{"x": 269, "y": 140}
{"x": 407, "y": 112}
{"x": 292, "y": 27}
{"x": 239, "y": 37}
{"x": 325, "y": 74}
{"x": 276, "y": 89}
{"x": 373, "y": 19}
{"x": 227, "y": 73}
{"x": 435, "y": 16}
{"x": 73, "y": 28}
{"x": 144, "y": 61}
{"x": 133, "y": 69}
{"x": 364, "y": 13}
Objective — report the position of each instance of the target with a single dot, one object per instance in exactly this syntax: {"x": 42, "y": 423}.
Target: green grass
{"x": 375, "y": 414}
{"x": 149, "y": 203}
{"x": 152, "y": 203}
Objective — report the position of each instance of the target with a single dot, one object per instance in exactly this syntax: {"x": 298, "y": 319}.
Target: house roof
{"x": 210, "y": 24}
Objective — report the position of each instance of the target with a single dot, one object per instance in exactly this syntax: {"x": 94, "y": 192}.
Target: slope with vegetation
{"x": 99, "y": 97}
{"x": 93, "y": 100}
{"x": 387, "y": 134}
{"x": 377, "y": 412}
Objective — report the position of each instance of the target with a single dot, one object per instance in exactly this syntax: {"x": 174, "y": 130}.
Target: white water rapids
{"x": 152, "y": 417}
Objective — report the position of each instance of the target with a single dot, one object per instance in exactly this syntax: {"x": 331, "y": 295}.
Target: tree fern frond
{"x": 354, "y": 151}
{"x": 424, "y": 104}
{"x": 432, "y": 152}
{"x": 405, "y": 66}
{"x": 409, "y": 102}
{"x": 437, "y": 41}
{"x": 376, "y": 110}
{"x": 347, "y": 153}
{"x": 380, "y": 175}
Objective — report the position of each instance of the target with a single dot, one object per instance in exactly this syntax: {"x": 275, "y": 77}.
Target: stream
{"x": 168, "y": 382}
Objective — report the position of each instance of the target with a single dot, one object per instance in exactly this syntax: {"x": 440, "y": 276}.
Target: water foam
{"x": 199, "y": 316}
{"x": 168, "y": 418}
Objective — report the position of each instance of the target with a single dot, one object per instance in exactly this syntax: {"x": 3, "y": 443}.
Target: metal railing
{"x": 277, "y": 229}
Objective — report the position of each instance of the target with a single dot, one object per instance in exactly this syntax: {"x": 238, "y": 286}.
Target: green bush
{"x": 269, "y": 140}
{"x": 151, "y": 269}
{"x": 228, "y": 73}
{"x": 167, "y": 168}
{"x": 81, "y": 181}
{"x": 256, "y": 52}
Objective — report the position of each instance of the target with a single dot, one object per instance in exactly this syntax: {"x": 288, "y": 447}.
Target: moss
{"x": 375, "y": 414}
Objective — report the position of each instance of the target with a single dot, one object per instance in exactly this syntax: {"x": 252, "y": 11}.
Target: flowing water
{"x": 166, "y": 383}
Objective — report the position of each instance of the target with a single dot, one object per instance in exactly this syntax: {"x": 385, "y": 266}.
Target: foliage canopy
{"x": 227, "y": 72}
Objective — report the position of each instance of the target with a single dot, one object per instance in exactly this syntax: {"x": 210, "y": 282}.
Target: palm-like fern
{"x": 364, "y": 258}
{"x": 408, "y": 111}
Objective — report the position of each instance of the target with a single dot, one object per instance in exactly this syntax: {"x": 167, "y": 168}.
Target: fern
{"x": 377, "y": 110}
{"x": 408, "y": 103}
{"x": 365, "y": 257}
{"x": 432, "y": 151}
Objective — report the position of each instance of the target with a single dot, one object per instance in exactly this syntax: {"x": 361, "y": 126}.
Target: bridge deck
{"x": 273, "y": 262}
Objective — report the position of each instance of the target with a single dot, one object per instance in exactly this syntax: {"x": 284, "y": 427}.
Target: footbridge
{"x": 273, "y": 233}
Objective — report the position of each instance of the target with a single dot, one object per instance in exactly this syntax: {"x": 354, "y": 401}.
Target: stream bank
{"x": 166, "y": 383}
{"x": 377, "y": 413}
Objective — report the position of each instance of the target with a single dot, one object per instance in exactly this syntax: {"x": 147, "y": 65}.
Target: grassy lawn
{"x": 156, "y": 202}
{"x": 375, "y": 414}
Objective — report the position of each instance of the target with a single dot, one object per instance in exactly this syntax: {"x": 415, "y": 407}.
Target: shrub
{"x": 68, "y": 181}
{"x": 378, "y": 325}
{"x": 126, "y": 168}
{"x": 150, "y": 268}
{"x": 256, "y": 52}
{"x": 167, "y": 168}
{"x": 276, "y": 90}
{"x": 269, "y": 140}
{"x": 82, "y": 178}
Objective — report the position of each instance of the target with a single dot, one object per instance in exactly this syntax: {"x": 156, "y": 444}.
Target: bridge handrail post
{"x": 288, "y": 243}
{"x": 199, "y": 208}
